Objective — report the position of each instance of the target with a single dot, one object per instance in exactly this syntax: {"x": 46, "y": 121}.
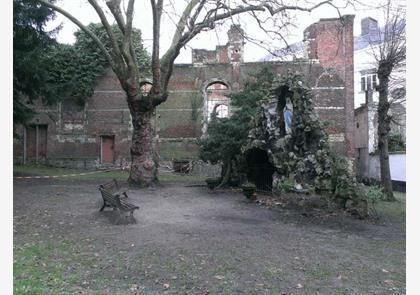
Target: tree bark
{"x": 383, "y": 135}
{"x": 226, "y": 172}
{"x": 144, "y": 165}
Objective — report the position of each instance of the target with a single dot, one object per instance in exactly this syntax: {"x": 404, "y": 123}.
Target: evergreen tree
{"x": 226, "y": 136}
{"x": 29, "y": 40}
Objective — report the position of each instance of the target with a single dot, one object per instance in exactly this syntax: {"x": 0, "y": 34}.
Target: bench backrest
{"x": 111, "y": 186}
{"x": 109, "y": 197}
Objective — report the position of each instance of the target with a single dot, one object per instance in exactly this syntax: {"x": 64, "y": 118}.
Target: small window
{"x": 369, "y": 81}
{"x": 363, "y": 83}
{"x": 374, "y": 84}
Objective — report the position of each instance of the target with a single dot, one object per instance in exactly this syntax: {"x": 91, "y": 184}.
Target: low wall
{"x": 396, "y": 163}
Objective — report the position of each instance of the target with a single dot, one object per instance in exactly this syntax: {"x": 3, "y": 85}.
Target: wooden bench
{"x": 114, "y": 187}
{"x": 112, "y": 198}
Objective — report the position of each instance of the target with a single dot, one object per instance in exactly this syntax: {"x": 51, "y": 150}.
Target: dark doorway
{"x": 260, "y": 170}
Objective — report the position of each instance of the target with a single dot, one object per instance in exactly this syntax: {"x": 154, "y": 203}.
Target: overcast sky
{"x": 208, "y": 40}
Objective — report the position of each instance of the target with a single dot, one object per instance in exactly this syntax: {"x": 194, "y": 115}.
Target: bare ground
{"x": 189, "y": 240}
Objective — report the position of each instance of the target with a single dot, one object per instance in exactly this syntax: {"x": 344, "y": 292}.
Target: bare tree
{"x": 390, "y": 55}
{"x": 197, "y": 16}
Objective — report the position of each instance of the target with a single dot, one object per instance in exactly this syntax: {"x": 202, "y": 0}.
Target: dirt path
{"x": 188, "y": 240}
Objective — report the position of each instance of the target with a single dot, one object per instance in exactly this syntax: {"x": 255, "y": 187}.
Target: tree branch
{"x": 84, "y": 28}
{"x": 156, "y": 70}
{"x": 114, "y": 7}
{"x": 106, "y": 25}
{"x": 128, "y": 45}
{"x": 126, "y": 29}
{"x": 183, "y": 22}
{"x": 292, "y": 7}
{"x": 180, "y": 39}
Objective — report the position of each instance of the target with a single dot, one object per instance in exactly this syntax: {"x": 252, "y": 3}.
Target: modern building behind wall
{"x": 99, "y": 132}
{"x": 366, "y": 101}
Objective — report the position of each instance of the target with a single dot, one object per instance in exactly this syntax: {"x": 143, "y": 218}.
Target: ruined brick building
{"x": 99, "y": 133}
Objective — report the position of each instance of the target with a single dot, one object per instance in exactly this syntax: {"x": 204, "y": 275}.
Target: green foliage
{"x": 249, "y": 189}
{"x": 29, "y": 41}
{"x": 54, "y": 72}
{"x": 374, "y": 194}
{"x": 393, "y": 209}
{"x": 212, "y": 182}
{"x": 286, "y": 186}
{"x": 74, "y": 69}
{"x": 349, "y": 194}
{"x": 396, "y": 143}
{"x": 121, "y": 175}
{"x": 86, "y": 45}
{"x": 342, "y": 185}
{"x": 195, "y": 105}
{"x": 226, "y": 136}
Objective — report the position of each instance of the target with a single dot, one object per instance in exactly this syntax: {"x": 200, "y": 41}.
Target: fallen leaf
{"x": 219, "y": 277}
{"x": 134, "y": 287}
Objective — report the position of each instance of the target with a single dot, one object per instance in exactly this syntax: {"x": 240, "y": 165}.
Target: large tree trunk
{"x": 383, "y": 135}
{"x": 143, "y": 161}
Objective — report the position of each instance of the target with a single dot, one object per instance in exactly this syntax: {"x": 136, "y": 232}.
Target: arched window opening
{"x": 221, "y": 110}
{"x": 217, "y": 100}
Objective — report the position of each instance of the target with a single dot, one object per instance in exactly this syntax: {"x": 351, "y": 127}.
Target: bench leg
{"x": 103, "y": 207}
{"x": 132, "y": 219}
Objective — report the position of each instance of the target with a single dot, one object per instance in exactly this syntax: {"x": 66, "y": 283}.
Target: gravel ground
{"x": 189, "y": 240}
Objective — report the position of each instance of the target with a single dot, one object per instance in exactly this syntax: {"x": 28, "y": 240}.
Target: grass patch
{"x": 39, "y": 170}
{"x": 393, "y": 209}
{"x": 320, "y": 273}
{"x": 46, "y": 268}
{"x": 172, "y": 177}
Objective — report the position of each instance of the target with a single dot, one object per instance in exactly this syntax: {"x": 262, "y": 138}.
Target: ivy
{"x": 74, "y": 69}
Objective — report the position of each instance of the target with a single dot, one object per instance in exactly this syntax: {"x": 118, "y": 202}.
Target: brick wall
{"x": 329, "y": 71}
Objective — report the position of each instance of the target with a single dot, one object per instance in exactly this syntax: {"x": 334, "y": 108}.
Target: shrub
{"x": 396, "y": 143}
{"x": 286, "y": 186}
{"x": 373, "y": 194}
{"x": 213, "y": 182}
